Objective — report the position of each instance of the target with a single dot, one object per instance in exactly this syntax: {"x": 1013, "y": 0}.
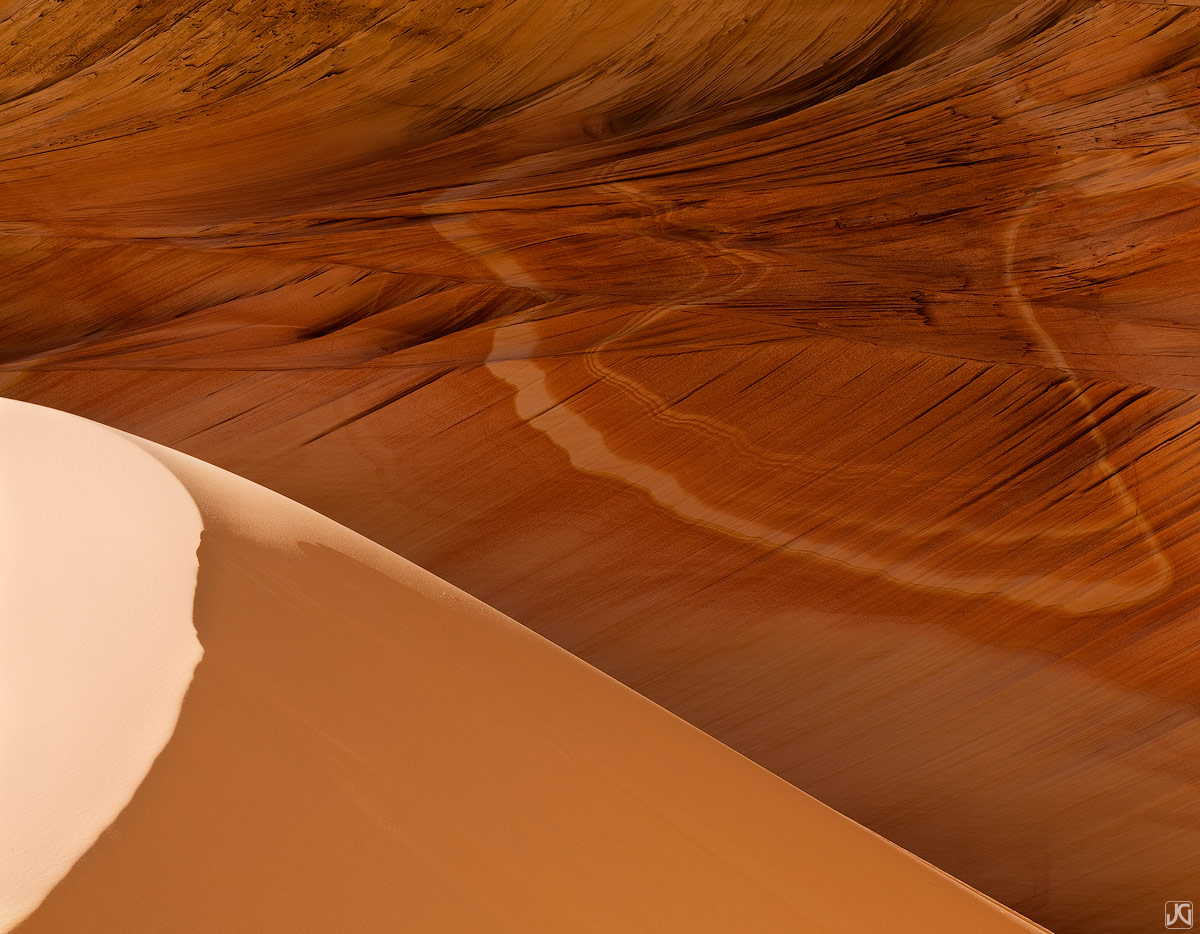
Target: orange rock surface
{"x": 825, "y": 372}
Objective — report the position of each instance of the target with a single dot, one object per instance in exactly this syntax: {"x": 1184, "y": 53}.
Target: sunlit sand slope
{"x": 97, "y": 578}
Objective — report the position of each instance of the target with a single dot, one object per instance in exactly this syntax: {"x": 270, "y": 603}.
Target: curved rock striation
{"x": 825, "y": 372}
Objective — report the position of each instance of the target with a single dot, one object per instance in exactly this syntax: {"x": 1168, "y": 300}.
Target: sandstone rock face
{"x": 825, "y": 372}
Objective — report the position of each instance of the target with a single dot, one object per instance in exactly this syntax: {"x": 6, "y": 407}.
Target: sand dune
{"x": 824, "y": 371}
{"x": 365, "y": 748}
{"x": 98, "y": 567}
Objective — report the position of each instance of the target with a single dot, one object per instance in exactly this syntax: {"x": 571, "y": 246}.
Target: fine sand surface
{"x": 97, "y": 573}
{"x": 365, "y": 748}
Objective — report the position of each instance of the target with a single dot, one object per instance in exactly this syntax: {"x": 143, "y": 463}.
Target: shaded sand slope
{"x": 365, "y": 748}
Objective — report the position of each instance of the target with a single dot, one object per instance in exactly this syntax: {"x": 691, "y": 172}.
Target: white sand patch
{"x": 97, "y": 575}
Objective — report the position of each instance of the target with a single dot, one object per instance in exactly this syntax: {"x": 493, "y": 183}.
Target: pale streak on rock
{"x": 588, "y": 449}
